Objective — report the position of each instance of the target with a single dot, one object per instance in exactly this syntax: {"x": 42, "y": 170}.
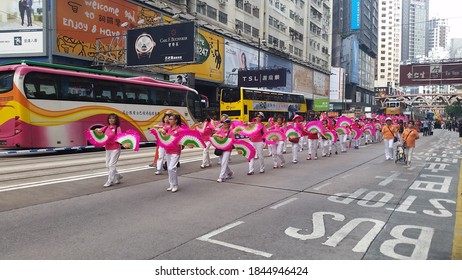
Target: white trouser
{"x": 284, "y": 146}
{"x": 343, "y": 139}
{"x": 388, "y": 148}
{"x": 408, "y": 152}
{"x": 326, "y": 143}
{"x": 357, "y": 142}
{"x": 276, "y": 153}
{"x": 259, "y": 149}
{"x": 378, "y": 136}
{"x": 112, "y": 156}
{"x": 206, "y": 154}
{"x": 303, "y": 141}
{"x": 160, "y": 159}
{"x": 312, "y": 147}
{"x": 172, "y": 161}
{"x": 368, "y": 138}
{"x": 224, "y": 170}
{"x": 295, "y": 149}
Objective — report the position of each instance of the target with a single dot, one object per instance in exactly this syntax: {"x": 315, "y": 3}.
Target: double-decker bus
{"x": 395, "y": 107}
{"x": 47, "y": 106}
{"x": 243, "y": 103}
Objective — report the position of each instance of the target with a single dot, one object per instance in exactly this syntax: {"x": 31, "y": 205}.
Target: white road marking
{"x": 207, "y": 238}
{"x": 78, "y": 177}
{"x": 347, "y": 175}
{"x": 321, "y": 186}
{"x": 283, "y": 203}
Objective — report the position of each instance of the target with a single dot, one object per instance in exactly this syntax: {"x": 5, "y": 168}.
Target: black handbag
{"x": 395, "y": 139}
{"x": 218, "y": 152}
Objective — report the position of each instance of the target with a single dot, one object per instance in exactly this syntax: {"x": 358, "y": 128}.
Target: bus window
{"x": 40, "y": 86}
{"x": 75, "y": 88}
{"x": 230, "y": 95}
{"x": 159, "y": 96}
{"x": 195, "y": 106}
{"x": 136, "y": 94}
{"x": 177, "y": 98}
{"x": 6, "y": 81}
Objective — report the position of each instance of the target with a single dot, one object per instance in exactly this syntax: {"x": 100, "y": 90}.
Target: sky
{"x": 450, "y": 9}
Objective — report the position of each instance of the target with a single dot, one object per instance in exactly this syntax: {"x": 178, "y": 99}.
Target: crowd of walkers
{"x": 320, "y": 137}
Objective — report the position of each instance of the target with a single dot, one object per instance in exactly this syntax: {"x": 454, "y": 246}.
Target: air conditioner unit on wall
{"x": 222, "y": 2}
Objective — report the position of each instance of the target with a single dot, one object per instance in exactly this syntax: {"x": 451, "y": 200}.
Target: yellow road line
{"x": 457, "y": 243}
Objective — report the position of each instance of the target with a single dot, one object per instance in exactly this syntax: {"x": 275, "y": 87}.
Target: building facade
{"x": 355, "y": 50}
{"x": 291, "y": 34}
{"x": 414, "y": 35}
{"x": 389, "y": 43}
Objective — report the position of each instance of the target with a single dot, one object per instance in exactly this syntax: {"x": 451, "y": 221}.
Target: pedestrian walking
{"x": 410, "y": 134}
{"x": 222, "y": 133}
{"x": 389, "y": 132}
{"x": 257, "y": 141}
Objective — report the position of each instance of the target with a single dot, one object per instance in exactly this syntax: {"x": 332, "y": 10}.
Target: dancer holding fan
{"x": 277, "y": 144}
{"x": 257, "y": 141}
{"x": 223, "y": 133}
{"x": 173, "y": 152}
{"x": 206, "y": 129}
{"x": 297, "y": 133}
{"x": 112, "y": 148}
{"x": 159, "y": 159}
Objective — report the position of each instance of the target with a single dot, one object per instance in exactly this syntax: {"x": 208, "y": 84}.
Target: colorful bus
{"x": 395, "y": 107}
{"x": 242, "y": 103}
{"x": 45, "y": 105}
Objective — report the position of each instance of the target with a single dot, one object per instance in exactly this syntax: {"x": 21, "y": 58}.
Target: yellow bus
{"x": 395, "y": 107}
{"x": 243, "y": 103}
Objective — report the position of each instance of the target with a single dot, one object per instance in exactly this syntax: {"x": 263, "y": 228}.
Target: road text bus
{"x": 242, "y": 103}
{"x": 44, "y": 105}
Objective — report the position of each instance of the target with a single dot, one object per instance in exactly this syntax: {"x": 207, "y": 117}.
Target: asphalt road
{"x": 350, "y": 206}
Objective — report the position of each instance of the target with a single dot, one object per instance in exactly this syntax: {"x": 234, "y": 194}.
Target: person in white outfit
{"x": 257, "y": 141}
{"x": 112, "y": 148}
{"x": 276, "y": 148}
{"x": 222, "y": 133}
{"x": 173, "y": 152}
{"x": 297, "y": 141}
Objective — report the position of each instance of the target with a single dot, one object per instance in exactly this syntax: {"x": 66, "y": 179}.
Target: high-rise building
{"x": 438, "y": 33}
{"x": 389, "y": 43}
{"x": 414, "y": 35}
{"x": 355, "y": 49}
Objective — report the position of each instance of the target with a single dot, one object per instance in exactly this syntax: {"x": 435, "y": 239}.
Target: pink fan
{"x": 378, "y": 126}
{"x": 252, "y": 129}
{"x": 331, "y": 135}
{"x": 164, "y": 141}
{"x": 314, "y": 126}
{"x": 274, "y": 136}
{"x": 130, "y": 138}
{"x": 191, "y": 138}
{"x": 344, "y": 121}
{"x": 201, "y": 128}
{"x": 293, "y": 132}
{"x": 245, "y": 148}
{"x": 222, "y": 144}
{"x": 342, "y": 130}
{"x": 95, "y": 139}
{"x": 356, "y": 132}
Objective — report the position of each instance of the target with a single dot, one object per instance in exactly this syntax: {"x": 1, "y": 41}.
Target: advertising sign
{"x": 355, "y": 15}
{"x": 428, "y": 74}
{"x": 262, "y": 78}
{"x": 22, "y": 30}
{"x": 79, "y": 23}
{"x": 303, "y": 80}
{"x": 160, "y": 45}
{"x": 209, "y": 58}
{"x": 320, "y": 84}
{"x": 240, "y": 57}
{"x": 321, "y": 104}
{"x": 336, "y": 84}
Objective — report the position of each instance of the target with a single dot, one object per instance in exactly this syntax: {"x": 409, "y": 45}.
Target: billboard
{"x": 262, "y": 78}
{"x": 321, "y": 104}
{"x": 22, "y": 31}
{"x": 355, "y": 15}
{"x": 79, "y": 23}
{"x": 337, "y": 84}
{"x": 303, "y": 80}
{"x": 320, "y": 84}
{"x": 163, "y": 44}
{"x": 431, "y": 74}
{"x": 209, "y": 59}
{"x": 240, "y": 57}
